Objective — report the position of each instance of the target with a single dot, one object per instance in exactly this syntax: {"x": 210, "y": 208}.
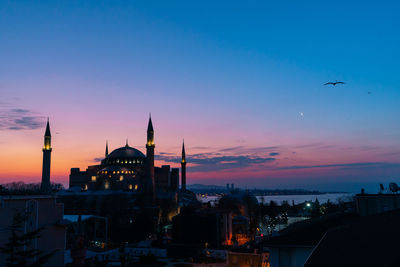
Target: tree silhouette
{"x": 19, "y": 249}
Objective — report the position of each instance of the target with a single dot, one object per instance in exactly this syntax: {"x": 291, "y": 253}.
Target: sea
{"x": 297, "y": 199}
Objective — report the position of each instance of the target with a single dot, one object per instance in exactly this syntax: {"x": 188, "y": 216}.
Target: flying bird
{"x": 334, "y": 83}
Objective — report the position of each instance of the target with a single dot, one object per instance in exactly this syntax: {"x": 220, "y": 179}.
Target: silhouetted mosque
{"x": 124, "y": 169}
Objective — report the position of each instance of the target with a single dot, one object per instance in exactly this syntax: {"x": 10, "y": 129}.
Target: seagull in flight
{"x": 334, "y": 83}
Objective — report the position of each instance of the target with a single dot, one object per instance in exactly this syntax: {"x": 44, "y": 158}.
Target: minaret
{"x": 45, "y": 186}
{"x": 106, "y": 148}
{"x": 183, "y": 169}
{"x": 150, "y": 157}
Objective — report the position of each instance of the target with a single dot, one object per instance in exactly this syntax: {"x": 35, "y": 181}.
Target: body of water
{"x": 322, "y": 198}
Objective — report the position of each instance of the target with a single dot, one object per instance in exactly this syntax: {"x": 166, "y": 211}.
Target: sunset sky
{"x": 241, "y": 82}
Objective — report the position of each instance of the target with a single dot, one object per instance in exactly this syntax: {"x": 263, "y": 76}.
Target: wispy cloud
{"x": 16, "y": 119}
{"x": 98, "y": 159}
{"x": 249, "y": 150}
{"x": 345, "y": 166}
{"x": 212, "y": 162}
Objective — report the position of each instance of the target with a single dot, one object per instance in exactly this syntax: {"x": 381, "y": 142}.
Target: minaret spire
{"x": 150, "y": 157}
{"x": 126, "y": 142}
{"x": 45, "y": 186}
{"x": 106, "y": 148}
{"x": 183, "y": 164}
{"x": 47, "y": 133}
{"x": 183, "y": 151}
{"x": 150, "y": 132}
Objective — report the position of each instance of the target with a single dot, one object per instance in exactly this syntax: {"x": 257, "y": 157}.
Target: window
{"x": 106, "y": 185}
{"x": 121, "y": 178}
{"x": 130, "y": 187}
{"x": 93, "y": 178}
{"x": 136, "y": 187}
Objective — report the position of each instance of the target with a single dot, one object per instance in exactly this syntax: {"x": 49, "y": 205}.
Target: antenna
{"x": 381, "y": 188}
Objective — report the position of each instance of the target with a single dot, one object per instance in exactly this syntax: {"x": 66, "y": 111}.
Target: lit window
{"x": 130, "y": 162}
{"x": 93, "y": 178}
{"x": 106, "y": 185}
{"x": 126, "y": 161}
{"x": 106, "y": 172}
{"x": 130, "y": 187}
{"x": 86, "y": 187}
{"x": 109, "y": 176}
{"x": 136, "y": 187}
{"x": 113, "y": 172}
{"x": 117, "y": 172}
{"x": 121, "y": 178}
{"x": 117, "y": 160}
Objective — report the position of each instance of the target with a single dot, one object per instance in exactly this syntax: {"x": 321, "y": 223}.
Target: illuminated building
{"x": 128, "y": 169}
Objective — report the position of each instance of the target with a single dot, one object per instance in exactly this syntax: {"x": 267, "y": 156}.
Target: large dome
{"x": 126, "y": 152}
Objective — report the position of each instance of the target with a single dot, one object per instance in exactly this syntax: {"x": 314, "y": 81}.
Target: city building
{"x": 40, "y": 212}
{"x": 367, "y": 241}
{"x": 369, "y": 204}
{"x": 128, "y": 169}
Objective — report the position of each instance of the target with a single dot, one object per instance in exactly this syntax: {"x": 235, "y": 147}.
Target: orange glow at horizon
{"x": 21, "y": 157}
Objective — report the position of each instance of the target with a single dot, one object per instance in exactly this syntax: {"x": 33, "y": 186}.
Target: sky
{"x": 240, "y": 81}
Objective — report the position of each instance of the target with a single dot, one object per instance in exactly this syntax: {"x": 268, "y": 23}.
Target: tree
{"x": 285, "y": 206}
{"x": 19, "y": 250}
{"x": 273, "y": 209}
{"x": 316, "y": 209}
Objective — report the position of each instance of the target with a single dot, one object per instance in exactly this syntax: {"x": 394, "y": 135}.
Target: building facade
{"x": 42, "y": 212}
{"x": 128, "y": 169}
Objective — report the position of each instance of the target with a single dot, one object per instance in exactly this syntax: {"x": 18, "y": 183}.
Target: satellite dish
{"x": 393, "y": 187}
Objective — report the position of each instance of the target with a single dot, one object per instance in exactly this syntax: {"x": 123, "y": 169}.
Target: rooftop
{"x": 369, "y": 241}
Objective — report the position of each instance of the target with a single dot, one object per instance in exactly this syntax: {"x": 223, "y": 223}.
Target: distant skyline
{"x": 242, "y": 83}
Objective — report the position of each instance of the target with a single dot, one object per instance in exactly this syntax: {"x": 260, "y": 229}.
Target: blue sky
{"x": 219, "y": 73}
